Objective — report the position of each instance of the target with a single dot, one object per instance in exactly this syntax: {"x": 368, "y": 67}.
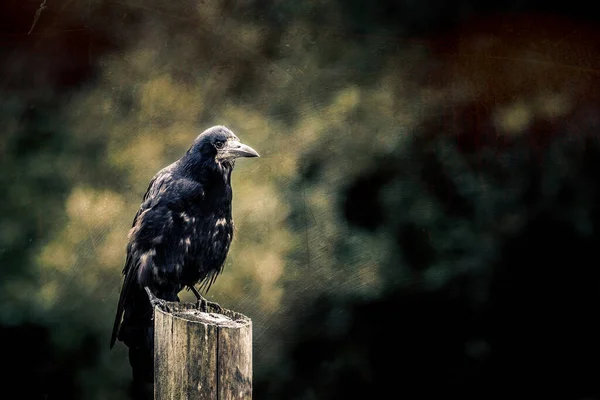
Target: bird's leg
{"x": 203, "y": 303}
{"x": 155, "y": 301}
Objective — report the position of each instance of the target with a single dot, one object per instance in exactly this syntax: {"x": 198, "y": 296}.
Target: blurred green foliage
{"x": 387, "y": 166}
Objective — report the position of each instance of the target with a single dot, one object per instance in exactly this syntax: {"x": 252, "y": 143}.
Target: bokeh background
{"x": 424, "y": 220}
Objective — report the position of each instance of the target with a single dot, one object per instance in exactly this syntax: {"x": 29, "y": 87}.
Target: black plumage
{"x": 180, "y": 237}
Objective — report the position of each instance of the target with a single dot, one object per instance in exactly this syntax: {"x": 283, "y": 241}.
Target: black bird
{"x": 180, "y": 237}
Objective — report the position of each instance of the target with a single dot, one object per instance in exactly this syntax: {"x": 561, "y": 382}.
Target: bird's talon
{"x": 204, "y": 305}
{"x": 164, "y": 307}
{"x": 217, "y": 307}
{"x": 201, "y": 305}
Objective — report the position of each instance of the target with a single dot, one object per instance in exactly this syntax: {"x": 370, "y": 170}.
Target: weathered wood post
{"x": 201, "y": 355}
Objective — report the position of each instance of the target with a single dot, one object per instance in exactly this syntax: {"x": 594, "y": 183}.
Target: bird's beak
{"x": 234, "y": 149}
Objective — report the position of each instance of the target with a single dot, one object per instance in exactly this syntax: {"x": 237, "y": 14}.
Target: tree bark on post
{"x": 201, "y": 355}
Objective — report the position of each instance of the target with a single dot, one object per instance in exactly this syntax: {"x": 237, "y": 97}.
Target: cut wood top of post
{"x": 210, "y": 318}
{"x": 190, "y": 312}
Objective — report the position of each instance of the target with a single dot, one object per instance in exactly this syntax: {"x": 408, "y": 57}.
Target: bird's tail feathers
{"x": 127, "y": 283}
{"x": 118, "y": 317}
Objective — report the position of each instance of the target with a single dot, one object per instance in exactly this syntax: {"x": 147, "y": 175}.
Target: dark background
{"x": 423, "y": 222}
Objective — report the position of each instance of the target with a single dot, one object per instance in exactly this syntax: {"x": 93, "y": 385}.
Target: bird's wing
{"x": 156, "y": 186}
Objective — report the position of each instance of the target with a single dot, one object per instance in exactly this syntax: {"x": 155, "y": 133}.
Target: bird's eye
{"x": 219, "y": 145}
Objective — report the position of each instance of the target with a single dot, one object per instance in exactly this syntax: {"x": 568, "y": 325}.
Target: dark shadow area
{"x": 35, "y": 368}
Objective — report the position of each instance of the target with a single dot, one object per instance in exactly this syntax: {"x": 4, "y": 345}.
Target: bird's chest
{"x": 210, "y": 232}
{"x": 219, "y": 234}
{"x": 210, "y": 238}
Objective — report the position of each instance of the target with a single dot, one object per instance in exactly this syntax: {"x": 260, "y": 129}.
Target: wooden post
{"x": 202, "y": 356}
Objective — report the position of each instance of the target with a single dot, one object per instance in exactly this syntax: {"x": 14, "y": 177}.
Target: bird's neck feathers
{"x": 206, "y": 169}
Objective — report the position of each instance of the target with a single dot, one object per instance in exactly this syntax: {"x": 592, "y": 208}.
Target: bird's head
{"x": 220, "y": 145}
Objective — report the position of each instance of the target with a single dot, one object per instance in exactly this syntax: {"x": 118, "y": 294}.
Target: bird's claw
{"x": 217, "y": 306}
{"x": 162, "y": 304}
{"x": 156, "y": 302}
{"x": 203, "y": 305}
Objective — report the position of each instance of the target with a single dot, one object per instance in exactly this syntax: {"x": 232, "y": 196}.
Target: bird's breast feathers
{"x": 206, "y": 234}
